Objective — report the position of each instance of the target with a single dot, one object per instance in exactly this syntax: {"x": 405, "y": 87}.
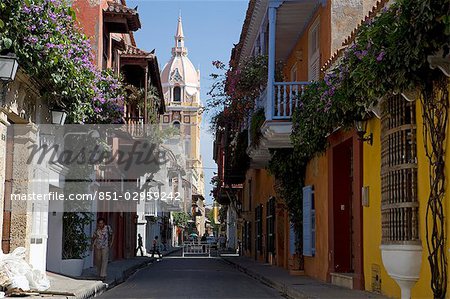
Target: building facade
{"x": 365, "y": 197}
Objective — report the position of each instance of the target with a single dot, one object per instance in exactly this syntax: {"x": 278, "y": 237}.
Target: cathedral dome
{"x": 180, "y": 71}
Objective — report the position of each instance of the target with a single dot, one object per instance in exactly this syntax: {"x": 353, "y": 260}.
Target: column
{"x": 272, "y": 11}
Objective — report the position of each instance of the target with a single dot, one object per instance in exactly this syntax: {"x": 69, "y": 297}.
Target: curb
{"x": 281, "y": 287}
{"x": 95, "y": 291}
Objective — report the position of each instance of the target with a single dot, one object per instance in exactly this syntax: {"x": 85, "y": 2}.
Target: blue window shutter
{"x": 307, "y": 222}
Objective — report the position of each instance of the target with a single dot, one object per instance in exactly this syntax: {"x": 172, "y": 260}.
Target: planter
{"x": 402, "y": 263}
{"x": 72, "y": 267}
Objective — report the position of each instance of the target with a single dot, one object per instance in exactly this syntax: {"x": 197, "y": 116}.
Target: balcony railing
{"x": 150, "y": 208}
{"x": 286, "y": 98}
{"x": 135, "y": 126}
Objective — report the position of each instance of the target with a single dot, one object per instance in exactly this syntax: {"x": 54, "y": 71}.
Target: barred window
{"x": 247, "y": 237}
{"x": 259, "y": 226}
{"x": 399, "y": 204}
{"x": 270, "y": 216}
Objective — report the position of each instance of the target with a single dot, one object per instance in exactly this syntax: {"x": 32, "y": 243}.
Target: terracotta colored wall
{"x": 90, "y": 18}
{"x": 317, "y": 176}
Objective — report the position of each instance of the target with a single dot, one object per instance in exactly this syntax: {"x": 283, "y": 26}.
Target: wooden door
{"x": 342, "y": 207}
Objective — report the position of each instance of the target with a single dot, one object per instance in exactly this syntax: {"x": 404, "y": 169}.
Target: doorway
{"x": 342, "y": 207}
{"x": 345, "y": 209}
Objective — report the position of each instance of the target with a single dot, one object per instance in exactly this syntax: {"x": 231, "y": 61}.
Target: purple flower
{"x": 52, "y": 16}
{"x": 361, "y": 54}
{"x": 381, "y": 55}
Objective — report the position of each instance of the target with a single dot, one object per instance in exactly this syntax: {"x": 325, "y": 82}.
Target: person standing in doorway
{"x": 156, "y": 247}
{"x": 102, "y": 241}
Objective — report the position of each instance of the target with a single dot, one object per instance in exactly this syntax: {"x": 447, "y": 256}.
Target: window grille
{"x": 399, "y": 205}
{"x": 270, "y": 216}
{"x": 258, "y": 220}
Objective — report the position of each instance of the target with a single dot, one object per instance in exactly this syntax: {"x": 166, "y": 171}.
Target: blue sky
{"x": 210, "y": 28}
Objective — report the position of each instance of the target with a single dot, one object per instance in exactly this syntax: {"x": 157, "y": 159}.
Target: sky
{"x": 211, "y": 28}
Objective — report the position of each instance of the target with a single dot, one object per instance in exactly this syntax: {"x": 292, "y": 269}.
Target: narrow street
{"x": 177, "y": 277}
{"x": 266, "y": 148}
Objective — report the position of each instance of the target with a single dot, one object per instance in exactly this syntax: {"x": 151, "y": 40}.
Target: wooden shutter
{"x": 314, "y": 53}
{"x": 308, "y": 230}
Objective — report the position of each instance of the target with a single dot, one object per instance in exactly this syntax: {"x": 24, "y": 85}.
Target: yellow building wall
{"x": 372, "y": 214}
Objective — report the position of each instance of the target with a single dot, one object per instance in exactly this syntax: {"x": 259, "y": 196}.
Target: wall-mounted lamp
{"x": 8, "y": 67}
{"x": 58, "y": 116}
{"x": 361, "y": 130}
{"x": 8, "y": 70}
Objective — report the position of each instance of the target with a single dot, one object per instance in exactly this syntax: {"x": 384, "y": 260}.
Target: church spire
{"x": 179, "y": 48}
{"x": 180, "y": 27}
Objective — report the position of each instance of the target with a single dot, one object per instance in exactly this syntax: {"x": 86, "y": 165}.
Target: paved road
{"x": 176, "y": 277}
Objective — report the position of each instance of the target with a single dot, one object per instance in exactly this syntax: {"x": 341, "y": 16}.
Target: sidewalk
{"x": 88, "y": 285}
{"x": 294, "y": 286}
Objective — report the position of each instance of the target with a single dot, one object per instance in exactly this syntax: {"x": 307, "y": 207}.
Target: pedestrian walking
{"x": 102, "y": 241}
{"x": 140, "y": 245}
{"x": 203, "y": 241}
{"x": 156, "y": 247}
{"x": 222, "y": 241}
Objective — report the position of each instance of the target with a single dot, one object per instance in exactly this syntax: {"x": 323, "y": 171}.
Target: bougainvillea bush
{"x": 50, "y": 46}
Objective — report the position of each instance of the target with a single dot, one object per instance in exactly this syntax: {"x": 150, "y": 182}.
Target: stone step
{"x": 343, "y": 279}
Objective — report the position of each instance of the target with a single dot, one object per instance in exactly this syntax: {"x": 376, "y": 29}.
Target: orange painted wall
{"x": 324, "y": 15}
{"x": 317, "y": 176}
{"x": 317, "y": 170}
{"x": 262, "y": 190}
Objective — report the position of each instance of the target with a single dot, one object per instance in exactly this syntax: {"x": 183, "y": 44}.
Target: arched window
{"x": 177, "y": 94}
{"x": 177, "y": 125}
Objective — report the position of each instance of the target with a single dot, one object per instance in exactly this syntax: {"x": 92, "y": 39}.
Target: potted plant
{"x": 77, "y": 216}
{"x": 75, "y": 242}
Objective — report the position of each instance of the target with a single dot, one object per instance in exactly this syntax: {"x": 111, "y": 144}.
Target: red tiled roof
{"x": 117, "y": 7}
{"x": 134, "y": 51}
{"x": 236, "y": 51}
{"x": 131, "y": 14}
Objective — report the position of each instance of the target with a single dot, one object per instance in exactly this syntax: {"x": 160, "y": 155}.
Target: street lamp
{"x": 361, "y": 130}
{"x": 8, "y": 67}
{"x": 58, "y": 116}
